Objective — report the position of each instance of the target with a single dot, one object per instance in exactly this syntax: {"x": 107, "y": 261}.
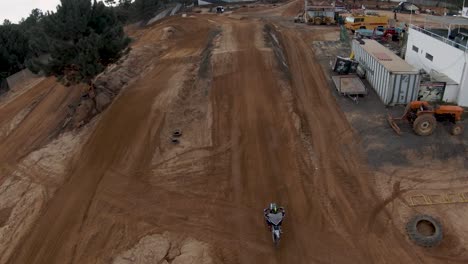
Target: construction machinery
{"x": 320, "y": 15}
{"x": 300, "y": 18}
{"x": 424, "y": 117}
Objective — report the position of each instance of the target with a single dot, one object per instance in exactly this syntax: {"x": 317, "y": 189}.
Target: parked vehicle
{"x": 320, "y": 15}
{"x": 406, "y": 7}
{"x": 424, "y": 117}
{"x": 371, "y": 22}
{"x": 219, "y": 9}
{"x": 299, "y": 18}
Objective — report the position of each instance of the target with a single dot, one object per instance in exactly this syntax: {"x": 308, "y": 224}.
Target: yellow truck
{"x": 371, "y": 22}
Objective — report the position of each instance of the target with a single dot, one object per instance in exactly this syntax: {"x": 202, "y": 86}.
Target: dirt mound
{"x": 107, "y": 85}
{"x": 166, "y": 248}
{"x": 170, "y": 32}
{"x": 148, "y": 46}
{"x": 293, "y": 9}
{"x": 180, "y": 27}
{"x": 27, "y": 189}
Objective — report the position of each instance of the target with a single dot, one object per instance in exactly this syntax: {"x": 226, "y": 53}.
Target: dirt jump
{"x": 255, "y": 122}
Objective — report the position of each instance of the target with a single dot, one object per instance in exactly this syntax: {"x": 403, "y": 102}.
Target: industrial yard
{"x": 214, "y": 117}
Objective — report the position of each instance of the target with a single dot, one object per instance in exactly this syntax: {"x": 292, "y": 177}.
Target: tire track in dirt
{"x": 257, "y": 125}
{"x": 110, "y": 167}
{"x": 129, "y": 181}
{"x": 11, "y": 108}
{"x": 343, "y": 187}
{"x": 43, "y": 122}
{"x": 114, "y": 144}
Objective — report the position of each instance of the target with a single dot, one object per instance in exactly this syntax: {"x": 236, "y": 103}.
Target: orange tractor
{"x": 424, "y": 117}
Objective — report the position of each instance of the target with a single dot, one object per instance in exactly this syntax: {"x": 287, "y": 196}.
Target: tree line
{"x": 75, "y": 42}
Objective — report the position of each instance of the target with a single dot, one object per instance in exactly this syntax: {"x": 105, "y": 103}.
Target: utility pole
{"x": 411, "y": 12}
{"x": 463, "y": 13}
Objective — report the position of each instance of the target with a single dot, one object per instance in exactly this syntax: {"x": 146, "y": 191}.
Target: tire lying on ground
{"x": 457, "y": 129}
{"x": 424, "y": 230}
{"x": 424, "y": 125}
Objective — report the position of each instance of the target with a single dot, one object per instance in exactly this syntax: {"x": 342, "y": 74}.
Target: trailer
{"x": 349, "y": 85}
{"x": 394, "y": 80}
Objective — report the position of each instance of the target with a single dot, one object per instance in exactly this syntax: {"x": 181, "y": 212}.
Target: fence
{"x": 447, "y": 41}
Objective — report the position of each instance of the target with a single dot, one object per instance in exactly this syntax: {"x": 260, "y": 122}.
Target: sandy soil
{"x": 259, "y": 123}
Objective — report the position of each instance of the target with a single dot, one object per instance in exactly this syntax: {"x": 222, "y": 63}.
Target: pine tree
{"x": 13, "y": 49}
{"x": 34, "y": 29}
{"x": 83, "y": 38}
{"x": 123, "y": 10}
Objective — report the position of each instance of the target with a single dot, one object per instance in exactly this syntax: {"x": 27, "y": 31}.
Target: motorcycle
{"x": 274, "y": 222}
{"x": 276, "y": 234}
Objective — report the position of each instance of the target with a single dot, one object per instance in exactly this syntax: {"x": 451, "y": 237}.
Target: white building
{"x": 431, "y": 50}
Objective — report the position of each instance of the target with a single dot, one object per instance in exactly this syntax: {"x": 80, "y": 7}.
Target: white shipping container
{"x": 394, "y": 80}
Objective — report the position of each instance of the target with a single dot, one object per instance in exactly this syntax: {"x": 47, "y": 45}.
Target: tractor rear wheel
{"x": 456, "y": 130}
{"x": 424, "y": 125}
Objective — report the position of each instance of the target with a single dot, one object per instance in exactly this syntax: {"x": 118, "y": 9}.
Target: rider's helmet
{"x": 273, "y": 208}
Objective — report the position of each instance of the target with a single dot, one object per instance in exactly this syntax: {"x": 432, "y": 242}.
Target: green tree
{"x": 13, "y": 49}
{"x": 123, "y": 10}
{"x": 110, "y": 2}
{"x": 33, "y": 27}
{"x": 82, "y": 37}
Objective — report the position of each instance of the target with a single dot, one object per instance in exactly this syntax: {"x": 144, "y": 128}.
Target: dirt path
{"x": 11, "y": 108}
{"x": 259, "y": 124}
{"x": 122, "y": 144}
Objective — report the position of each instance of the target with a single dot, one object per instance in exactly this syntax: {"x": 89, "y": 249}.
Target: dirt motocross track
{"x": 259, "y": 124}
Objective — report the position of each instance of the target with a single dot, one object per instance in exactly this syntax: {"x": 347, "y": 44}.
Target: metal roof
{"x": 386, "y": 57}
{"x": 449, "y": 20}
{"x": 440, "y": 77}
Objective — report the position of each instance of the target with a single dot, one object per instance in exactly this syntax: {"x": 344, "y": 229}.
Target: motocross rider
{"x": 274, "y": 211}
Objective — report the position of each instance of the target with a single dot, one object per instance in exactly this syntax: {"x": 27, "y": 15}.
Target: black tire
{"x": 177, "y": 133}
{"x": 456, "y": 130}
{"x": 421, "y": 239}
{"x": 276, "y": 240}
{"x": 175, "y": 141}
{"x": 424, "y": 125}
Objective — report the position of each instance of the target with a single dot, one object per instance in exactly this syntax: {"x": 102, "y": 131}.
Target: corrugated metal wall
{"x": 405, "y": 88}
{"x": 392, "y": 88}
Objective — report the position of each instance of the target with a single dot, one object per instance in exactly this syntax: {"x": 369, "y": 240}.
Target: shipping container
{"x": 394, "y": 80}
